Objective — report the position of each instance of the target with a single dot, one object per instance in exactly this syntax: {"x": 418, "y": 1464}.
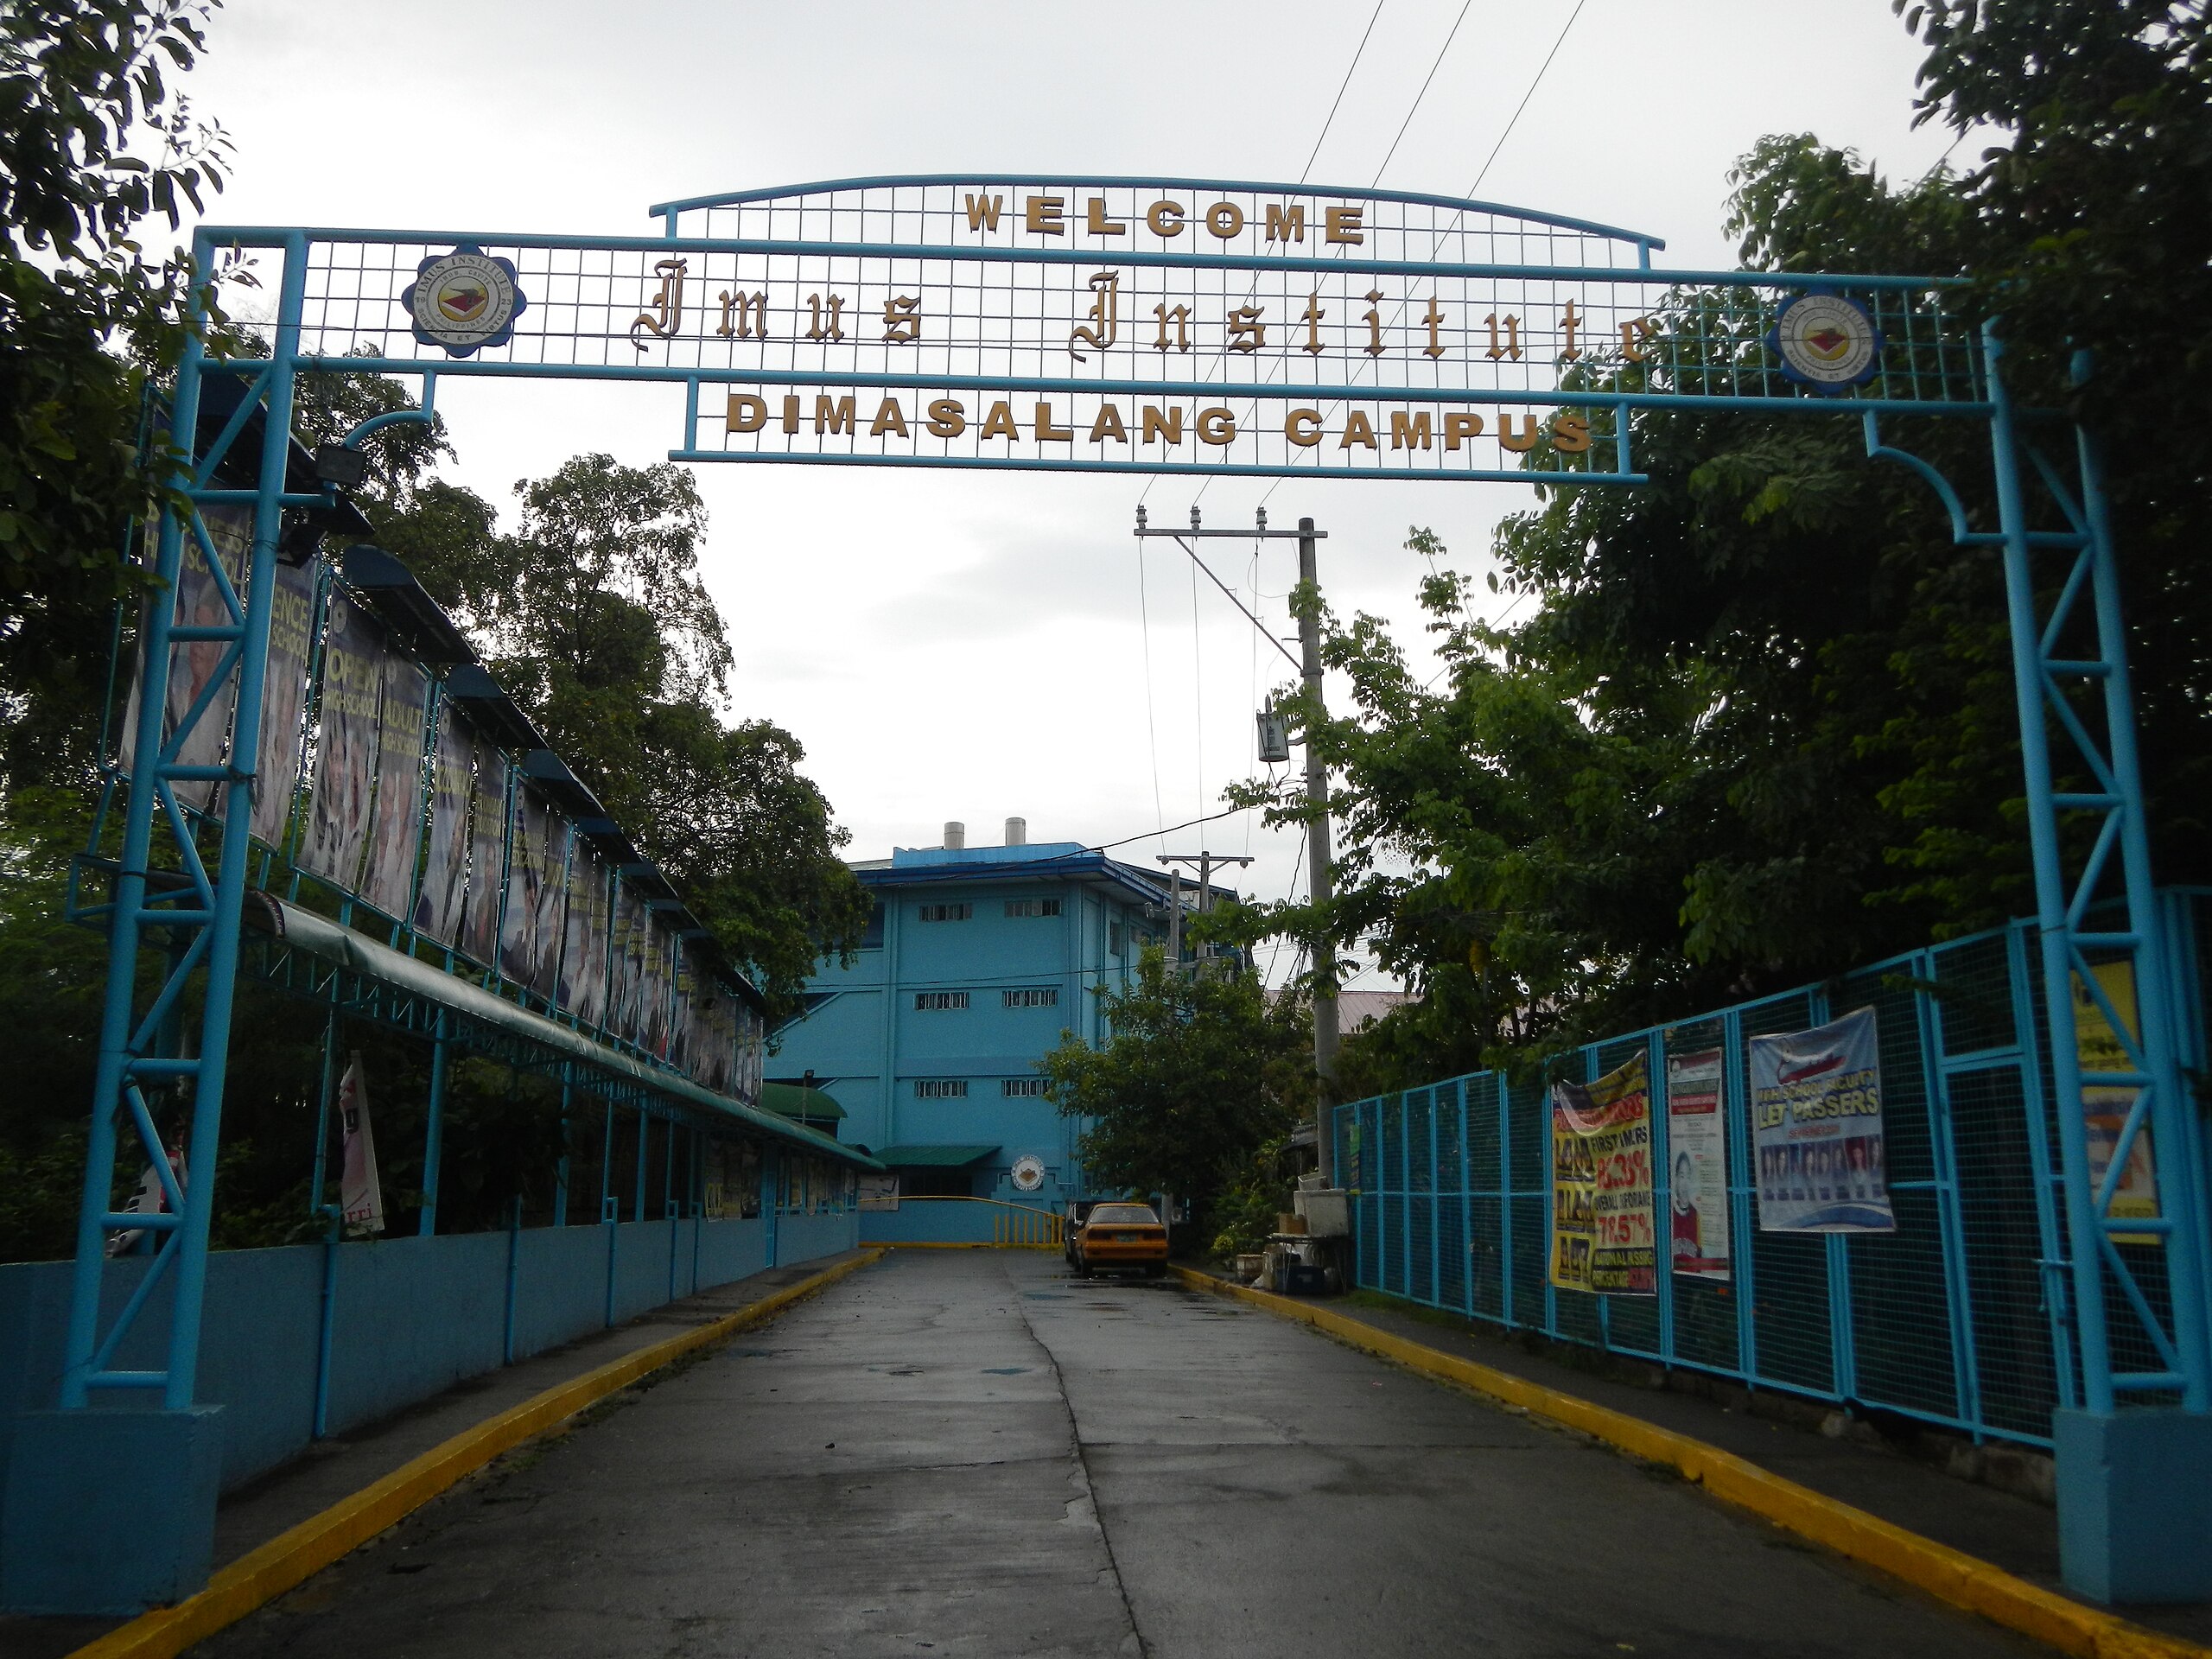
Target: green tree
{"x": 1198, "y": 1073}
{"x": 95, "y": 139}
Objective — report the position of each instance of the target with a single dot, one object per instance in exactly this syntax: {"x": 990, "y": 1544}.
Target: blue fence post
{"x": 1966, "y": 1379}
{"x": 434, "y": 1132}
{"x": 610, "y": 1205}
{"x": 561, "y": 1168}
{"x": 1736, "y": 1139}
{"x": 1662, "y": 1188}
{"x": 1466, "y": 1204}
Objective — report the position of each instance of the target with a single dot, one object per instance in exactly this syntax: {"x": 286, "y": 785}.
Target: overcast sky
{"x": 974, "y": 646}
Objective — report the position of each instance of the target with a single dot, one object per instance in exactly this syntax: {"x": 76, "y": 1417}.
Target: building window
{"x": 940, "y": 1089}
{"x": 938, "y": 1002}
{"x": 873, "y": 938}
{"x": 1032, "y": 996}
{"x": 1032, "y": 906}
{"x": 1023, "y": 1088}
{"x": 947, "y": 912}
{"x": 1117, "y": 938}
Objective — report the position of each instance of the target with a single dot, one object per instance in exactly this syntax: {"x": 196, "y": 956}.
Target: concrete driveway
{"x": 970, "y": 1453}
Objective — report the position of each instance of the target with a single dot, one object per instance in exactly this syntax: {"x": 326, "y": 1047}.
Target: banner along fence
{"x": 1960, "y": 1317}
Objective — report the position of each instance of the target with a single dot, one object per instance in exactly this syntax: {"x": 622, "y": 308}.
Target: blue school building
{"x": 976, "y": 961}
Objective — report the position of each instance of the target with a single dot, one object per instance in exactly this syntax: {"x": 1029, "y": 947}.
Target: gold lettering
{"x": 983, "y": 212}
{"x": 667, "y": 314}
{"x": 947, "y": 418}
{"x": 889, "y": 417}
{"x": 833, "y": 417}
{"x": 1409, "y": 431}
{"x": 1217, "y": 426}
{"x": 1458, "y": 428}
{"x": 1246, "y": 331}
{"x": 790, "y": 413}
{"x": 1358, "y": 429}
{"x": 1569, "y": 322}
{"x": 1342, "y": 225}
{"x": 1168, "y": 426}
{"x": 1046, "y": 432}
{"x": 1099, "y": 225}
{"x": 747, "y": 413}
{"x": 1166, "y": 218}
{"x": 1180, "y": 316}
{"x": 902, "y": 321}
{"x": 999, "y": 423}
{"x": 1374, "y": 347}
{"x": 1109, "y": 425}
{"x": 1313, "y": 322}
{"x": 1303, "y": 427}
{"x": 1435, "y": 320}
{"x": 1512, "y": 347}
{"x": 1526, "y": 439}
{"x": 1105, "y": 315}
{"x": 1286, "y": 224}
{"x": 1636, "y": 334}
{"x": 1044, "y": 214}
{"x": 1571, "y": 435}
{"x": 1225, "y": 219}
{"x": 736, "y": 323}
{"x": 836, "y": 330}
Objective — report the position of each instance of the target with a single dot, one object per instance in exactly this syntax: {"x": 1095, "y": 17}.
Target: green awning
{"x": 932, "y": 1157}
{"x": 796, "y": 1100}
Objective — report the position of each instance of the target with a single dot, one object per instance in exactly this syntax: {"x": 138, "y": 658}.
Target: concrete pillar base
{"x": 109, "y": 1512}
{"x": 2135, "y": 1504}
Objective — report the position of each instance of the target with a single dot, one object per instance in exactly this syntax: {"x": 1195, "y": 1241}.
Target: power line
{"x": 1308, "y": 170}
{"x": 1526, "y": 96}
{"x": 1151, "y": 727}
{"x": 1419, "y": 95}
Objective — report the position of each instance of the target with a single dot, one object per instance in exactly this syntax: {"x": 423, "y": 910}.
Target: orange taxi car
{"x": 1124, "y": 1237}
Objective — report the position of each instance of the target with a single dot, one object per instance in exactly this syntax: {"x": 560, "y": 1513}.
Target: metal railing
{"x": 952, "y": 1219}
{"x": 1961, "y": 1318}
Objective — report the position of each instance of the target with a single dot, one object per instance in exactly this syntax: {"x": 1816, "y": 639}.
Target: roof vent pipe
{"x": 955, "y": 834}
{"x": 1017, "y": 832}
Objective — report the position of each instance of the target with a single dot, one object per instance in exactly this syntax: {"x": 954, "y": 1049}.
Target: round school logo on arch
{"x": 464, "y": 301}
{"x": 1826, "y": 342}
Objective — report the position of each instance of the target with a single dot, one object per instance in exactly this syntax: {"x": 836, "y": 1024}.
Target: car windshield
{"x": 1124, "y": 1212}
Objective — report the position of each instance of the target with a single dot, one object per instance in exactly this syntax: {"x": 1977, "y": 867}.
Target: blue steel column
{"x": 434, "y": 1134}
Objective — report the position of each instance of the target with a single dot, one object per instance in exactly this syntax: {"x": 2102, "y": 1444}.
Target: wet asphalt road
{"x": 970, "y": 1453}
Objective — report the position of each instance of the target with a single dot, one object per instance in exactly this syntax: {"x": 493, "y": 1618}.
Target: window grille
{"x": 947, "y": 912}
{"x": 1033, "y": 996}
{"x": 1117, "y": 938}
{"x": 1023, "y": 1088}
{"x": 938, "y": 1002}
{"x": 940, "y": 1089}
{"x": 1032, "y": 906}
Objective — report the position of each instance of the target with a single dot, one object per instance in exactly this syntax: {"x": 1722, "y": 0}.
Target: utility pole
{"x": 1308, "y": 664}
{"x": 1205, "y": 861}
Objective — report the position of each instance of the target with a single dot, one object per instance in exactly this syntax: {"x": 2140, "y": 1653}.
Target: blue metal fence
{"x": 1959, "y": 1317}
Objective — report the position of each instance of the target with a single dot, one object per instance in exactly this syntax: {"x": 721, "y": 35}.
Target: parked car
{"x": 1119, "y": 1237}
{"x": 1072, "y": 1225}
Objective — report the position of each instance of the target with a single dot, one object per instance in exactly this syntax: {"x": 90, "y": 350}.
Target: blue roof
{"x": 904, "y": 858}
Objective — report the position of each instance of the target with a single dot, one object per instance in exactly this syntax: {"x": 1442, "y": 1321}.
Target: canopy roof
{"x": 796, "y": 1100}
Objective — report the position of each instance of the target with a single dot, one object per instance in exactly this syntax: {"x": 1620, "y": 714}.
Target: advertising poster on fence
{"x": 360, "y": 1195}
{"x": 487, "y": 824}
{"x": 1602, "y": 1236}
{"x": 1817, "y": 1130}
{"x": 345, "y": 748}
{"x": 199, "y": 604}
{"x": 445, "y": 870}
{"x": 2098, "y": 1048}
{"x": 526, "y": 873}
{"x": 283, "y": 699}
{"x": 584, "y": 960}
{"x": 395, "y": 832}
{"x": 1697, "y": 1154}
{"x": 550, "y": 930}
{"x": 626, "y": 964}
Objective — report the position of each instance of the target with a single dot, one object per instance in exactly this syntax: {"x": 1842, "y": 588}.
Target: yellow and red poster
{"x": 1602, "y": 1236}
{"x": 2106, "y": 1106}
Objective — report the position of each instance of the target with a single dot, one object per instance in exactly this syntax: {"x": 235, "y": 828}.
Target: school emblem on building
{"x": 1826, "y": 342}
{"x": 464, "y": 301}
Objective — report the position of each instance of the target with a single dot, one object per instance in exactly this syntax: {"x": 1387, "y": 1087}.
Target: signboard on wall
{"x": 1817, "y": 1130}
{"x": 1602, "y": 1238}
{"x": 1697, "y": 1160}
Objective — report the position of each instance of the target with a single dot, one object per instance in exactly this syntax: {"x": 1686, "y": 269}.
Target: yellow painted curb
{"x": 955, "y": 1244}
{"x": 1951, "y": 1575}
{"x": 263, "y": 1574}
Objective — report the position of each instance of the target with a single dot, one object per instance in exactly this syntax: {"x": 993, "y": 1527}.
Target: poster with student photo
{"x": 283, "y": 699}
{"x": 191, "y": 667}
{"x": 487, "y": 829}
{"x": 550, "y": 927}
{"x": 625, "y": 989}
{"x": 445, "y": 869}
{"x": 1817, "y": 1130}
{"x": 1697, "y": 1163}
{"x": 583, "y": 958}
{"x": 396, "y": 822}
{"x": 518, "y": 913}
{"x": 345, "y": 746}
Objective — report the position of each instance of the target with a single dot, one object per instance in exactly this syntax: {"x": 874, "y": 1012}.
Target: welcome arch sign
{"x": 1199, "y": 327}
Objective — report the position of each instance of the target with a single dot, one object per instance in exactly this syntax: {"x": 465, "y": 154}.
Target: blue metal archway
{"x": 1203, "y": 327}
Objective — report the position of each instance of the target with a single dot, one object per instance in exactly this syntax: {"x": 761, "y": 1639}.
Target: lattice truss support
{"x": 2137, "y": 1283}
